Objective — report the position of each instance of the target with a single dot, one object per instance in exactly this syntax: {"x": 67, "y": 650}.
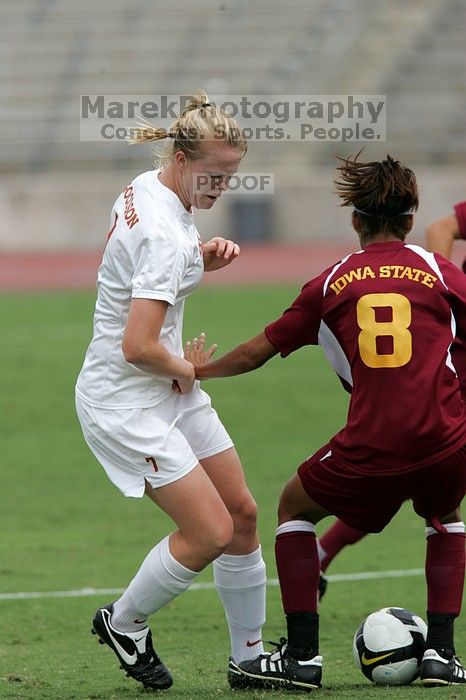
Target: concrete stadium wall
{"x": 70, "y": 211}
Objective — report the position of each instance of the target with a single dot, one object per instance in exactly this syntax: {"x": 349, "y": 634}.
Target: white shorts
{"x": 159, "y": 444}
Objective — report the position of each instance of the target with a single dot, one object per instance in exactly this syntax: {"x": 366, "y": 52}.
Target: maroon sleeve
{"x": 299, "y": 324}
{"x": 458, "y": 356}
{"x": 460, "y": 211}
{"x": 456, "y": 284}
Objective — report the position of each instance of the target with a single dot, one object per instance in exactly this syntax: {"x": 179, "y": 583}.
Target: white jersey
{"x": 153, "y": 252}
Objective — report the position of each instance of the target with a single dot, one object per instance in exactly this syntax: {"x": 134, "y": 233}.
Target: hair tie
{"x": 360, "y": 211}
{"x": 386, "y": 216}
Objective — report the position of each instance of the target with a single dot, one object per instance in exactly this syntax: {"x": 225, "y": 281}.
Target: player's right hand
{"x": 195, "y": 352}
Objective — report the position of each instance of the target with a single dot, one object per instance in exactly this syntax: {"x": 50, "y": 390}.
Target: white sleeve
{"x": 160, "y": 263}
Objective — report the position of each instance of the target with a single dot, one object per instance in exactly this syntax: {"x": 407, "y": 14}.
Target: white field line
{"x": 85, "y": 592}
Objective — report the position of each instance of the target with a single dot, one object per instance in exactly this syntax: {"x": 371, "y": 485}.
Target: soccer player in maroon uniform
{"x": 386, "y": 318}
{"x": 440, "y": 236}
{"x": 441, "y": 233}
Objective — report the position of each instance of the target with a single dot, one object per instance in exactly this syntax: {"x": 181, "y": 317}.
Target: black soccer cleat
{"x": 236, "y": 679}
{"x": 436, "y": 670}
{"x": 322, "y": 586}
{"x": 134, "y": 651}
{"x": 280, "y": 670}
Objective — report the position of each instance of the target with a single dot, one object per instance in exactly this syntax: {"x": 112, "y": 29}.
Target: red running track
{"x": 257, "y": 264}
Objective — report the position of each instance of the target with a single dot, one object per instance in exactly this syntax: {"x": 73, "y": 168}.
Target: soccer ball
{"x": 388, "y": 646}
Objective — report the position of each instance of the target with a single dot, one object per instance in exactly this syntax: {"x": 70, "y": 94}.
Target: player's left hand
{"x": 195, "y": 352}
{"x": 218, "y": 252}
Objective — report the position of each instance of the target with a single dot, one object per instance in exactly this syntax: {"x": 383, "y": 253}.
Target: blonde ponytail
{"x": 146, "y": 132}
{"x": 199, "y": 122}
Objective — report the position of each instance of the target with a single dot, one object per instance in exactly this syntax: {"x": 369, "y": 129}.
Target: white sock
{"x": 452, "y": 528}
{"x": 240, "y": 580}
{"x": 295, "y": 526}
{"x": 159, "y": 580}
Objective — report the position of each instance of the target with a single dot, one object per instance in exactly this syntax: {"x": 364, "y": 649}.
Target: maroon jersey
{"x": 460, "y": 211}
{"x": 386, "y": 318}
{"x": 459, "y": 350}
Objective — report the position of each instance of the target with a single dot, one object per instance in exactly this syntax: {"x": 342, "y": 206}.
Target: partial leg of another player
{"x": 337, "y": 537}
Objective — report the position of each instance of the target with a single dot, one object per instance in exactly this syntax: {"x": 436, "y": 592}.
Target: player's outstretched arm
{"x": 441, "y": 234}
{"x": 244, "y": 358}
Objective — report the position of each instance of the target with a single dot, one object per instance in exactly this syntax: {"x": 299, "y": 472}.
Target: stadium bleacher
{"x": 52, "y": 51}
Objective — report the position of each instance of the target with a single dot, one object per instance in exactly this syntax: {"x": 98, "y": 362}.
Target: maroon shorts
{"x": 368, "y": 502}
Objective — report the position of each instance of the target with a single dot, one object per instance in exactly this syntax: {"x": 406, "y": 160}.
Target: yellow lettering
{"x": 339, "y": 285}
{"x": 384, "y": 271}
{"x": 407, "y": 272}
{"x": 396, "y": 269}
{"x": 428, "y": 280}
{"x": 368, "y": 272}
{"x": 353, "y": 275}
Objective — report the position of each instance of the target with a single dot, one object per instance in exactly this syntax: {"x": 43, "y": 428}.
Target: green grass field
{"x": 64, "y": 527}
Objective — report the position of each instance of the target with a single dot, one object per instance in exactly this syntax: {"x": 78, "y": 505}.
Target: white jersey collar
{"x": 171, "y": 197}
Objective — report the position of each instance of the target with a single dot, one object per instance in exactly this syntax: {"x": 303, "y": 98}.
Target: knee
{"x": 291, "y": 508}
{"x": 284, "y": 512}
{"x": 282, "y": 515}
{"x": 244, "y": 511}
{"x": 219, "y": 537}
{"x": 453, "y": 517}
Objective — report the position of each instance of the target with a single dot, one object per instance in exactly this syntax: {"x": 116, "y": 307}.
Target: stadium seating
{"x": 52, "y": 51}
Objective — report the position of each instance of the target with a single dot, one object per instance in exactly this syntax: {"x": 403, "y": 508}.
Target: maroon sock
{"x": 298, "y": 570}
{"x": 335, "y": 539}
{"x": 445, "y": 561}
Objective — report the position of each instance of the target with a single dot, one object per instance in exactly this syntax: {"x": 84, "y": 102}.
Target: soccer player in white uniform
{"x": 142, "y": 413}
